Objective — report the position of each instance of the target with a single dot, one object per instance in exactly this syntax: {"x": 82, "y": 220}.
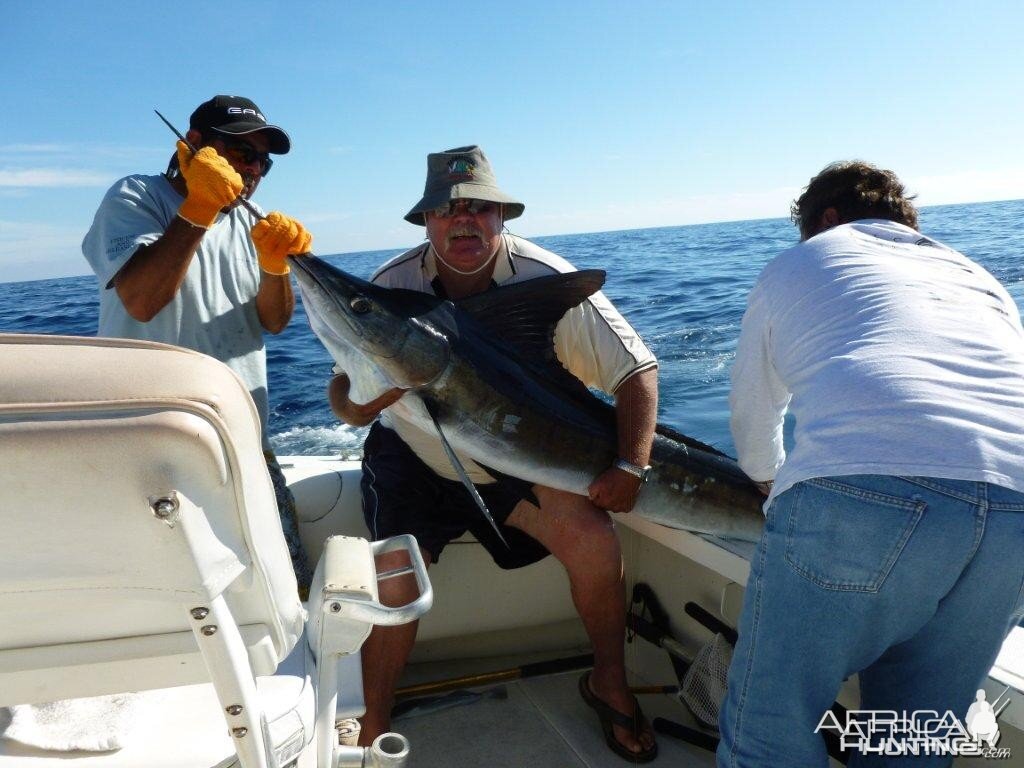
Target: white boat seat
{"x": 143, "y": 551}
{"x": 184, "y": 726}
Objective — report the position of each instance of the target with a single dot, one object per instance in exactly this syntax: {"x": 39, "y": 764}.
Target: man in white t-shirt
{"x": 180, "y": 261}
{"x": 895, "y": 522}
{"x": 409, "y": 485}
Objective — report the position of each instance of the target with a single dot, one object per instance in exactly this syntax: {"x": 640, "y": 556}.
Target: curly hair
{"x": 857, "y": 190}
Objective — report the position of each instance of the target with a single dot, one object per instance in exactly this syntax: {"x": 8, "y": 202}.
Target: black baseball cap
{"x": 238, "y": 116}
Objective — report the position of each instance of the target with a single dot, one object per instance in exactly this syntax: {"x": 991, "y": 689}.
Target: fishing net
{"x": 704, "y": 686}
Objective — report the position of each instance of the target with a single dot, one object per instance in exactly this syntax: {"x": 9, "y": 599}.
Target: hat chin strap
{"x": 458, "y": 271}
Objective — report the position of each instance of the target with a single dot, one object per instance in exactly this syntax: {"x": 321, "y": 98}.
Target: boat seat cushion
{"x": 183, "y": 726}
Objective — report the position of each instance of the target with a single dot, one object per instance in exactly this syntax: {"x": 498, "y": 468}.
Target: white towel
{"x": 95, "y": 724}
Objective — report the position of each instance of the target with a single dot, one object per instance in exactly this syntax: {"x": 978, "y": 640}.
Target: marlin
{"x": 482, "y": 373}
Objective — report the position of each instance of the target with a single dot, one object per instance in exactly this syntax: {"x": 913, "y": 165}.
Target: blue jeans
{"x": 912, "y": 582}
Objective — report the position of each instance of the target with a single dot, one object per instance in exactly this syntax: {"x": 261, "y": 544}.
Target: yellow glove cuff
{"x": 277, "y": 267}
{"x": 198, "y": 213}
{"x": 275, "y": 237}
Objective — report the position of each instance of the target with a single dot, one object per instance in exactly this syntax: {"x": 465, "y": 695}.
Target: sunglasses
{"x": 244, "y": 153}
{"x": 472, "y": 206}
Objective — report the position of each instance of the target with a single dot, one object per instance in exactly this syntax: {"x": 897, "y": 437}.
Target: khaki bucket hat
{"x": 460, "y": 173}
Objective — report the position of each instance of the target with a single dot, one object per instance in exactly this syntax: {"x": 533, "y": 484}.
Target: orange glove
{"x": 212, "y": 184}
{"x": 277, "y": 236}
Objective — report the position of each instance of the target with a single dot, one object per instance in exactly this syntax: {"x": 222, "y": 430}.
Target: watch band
{"x": 634, "y": 469}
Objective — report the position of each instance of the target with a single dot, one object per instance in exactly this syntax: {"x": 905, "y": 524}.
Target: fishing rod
{"x": 997, "y": 707}
{"x": 245, "y": 203}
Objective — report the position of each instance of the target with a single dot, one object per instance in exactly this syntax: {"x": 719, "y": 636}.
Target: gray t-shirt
{"x": 214, "y": 312}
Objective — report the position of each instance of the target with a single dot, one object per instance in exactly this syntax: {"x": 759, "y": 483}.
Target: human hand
{"x": 277, "y": 236}
{"x": 358, "y": 414}
{"x": 615, "y": 490}
{"x": 212, "y": 184}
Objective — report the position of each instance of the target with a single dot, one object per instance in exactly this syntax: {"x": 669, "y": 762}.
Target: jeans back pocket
{"x": 844, "y": 536}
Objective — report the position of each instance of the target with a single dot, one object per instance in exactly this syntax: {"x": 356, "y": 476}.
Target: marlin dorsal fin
{"x": 524, "y": 315}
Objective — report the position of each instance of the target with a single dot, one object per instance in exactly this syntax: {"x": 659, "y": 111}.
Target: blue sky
{"x": 598, "y": 115}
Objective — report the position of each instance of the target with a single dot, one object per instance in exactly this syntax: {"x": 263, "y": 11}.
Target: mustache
{"x": 249, "y": 182}
{"x": 464, "y": 231}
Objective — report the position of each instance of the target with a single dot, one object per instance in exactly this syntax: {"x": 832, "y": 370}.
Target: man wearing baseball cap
{"x": 180, "y": 261}
{"x": 409, "y": 485}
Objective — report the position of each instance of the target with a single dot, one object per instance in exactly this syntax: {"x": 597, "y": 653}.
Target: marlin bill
{"x": 482, "y": 373}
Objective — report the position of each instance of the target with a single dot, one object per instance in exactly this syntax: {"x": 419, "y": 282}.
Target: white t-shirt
{"x": 214, "y": 311}
{"x": 896, "y": 355}
{"x": 593, "y": 341}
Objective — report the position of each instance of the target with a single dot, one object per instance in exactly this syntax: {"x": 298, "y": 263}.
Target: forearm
{"x": 758, "y": 400}
{"x": 275, "y": 302}
{"x": 636, "y": 413}
{"x": 356, "y": 414}
{"x": 154, "y": 274}
{"x": 337, "y": 396}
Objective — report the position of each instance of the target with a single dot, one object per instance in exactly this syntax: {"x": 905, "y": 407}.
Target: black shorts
{"x": 401, "y": 494}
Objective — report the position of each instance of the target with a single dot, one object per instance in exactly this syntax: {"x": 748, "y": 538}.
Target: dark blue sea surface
{"x": 683, "y": 288}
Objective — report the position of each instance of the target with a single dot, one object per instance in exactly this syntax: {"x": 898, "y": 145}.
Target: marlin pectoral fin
{"x": 461, "y": 472}
{"x": 526, "y": 488}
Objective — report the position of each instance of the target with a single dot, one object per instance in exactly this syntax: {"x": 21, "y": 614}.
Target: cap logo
{"x": 460, "y": 168}
{"x": 246, "y": 111}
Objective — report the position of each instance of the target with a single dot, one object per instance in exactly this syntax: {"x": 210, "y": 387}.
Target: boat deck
{"x": 539, "y": 722}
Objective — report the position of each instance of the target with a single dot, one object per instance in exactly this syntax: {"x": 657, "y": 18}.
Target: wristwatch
{"x": 644, "y": 473}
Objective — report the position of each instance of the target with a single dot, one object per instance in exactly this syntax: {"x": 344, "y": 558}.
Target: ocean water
{"x": 683, "y": 288}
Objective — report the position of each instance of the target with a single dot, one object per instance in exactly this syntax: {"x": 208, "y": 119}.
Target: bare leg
{"x": 583, "y": 539}
{"x": 386, "y": 650}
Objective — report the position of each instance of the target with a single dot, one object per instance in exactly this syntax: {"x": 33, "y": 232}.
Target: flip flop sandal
{"x": 610, "y": 717}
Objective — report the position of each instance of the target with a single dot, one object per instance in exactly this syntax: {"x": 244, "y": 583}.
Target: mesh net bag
{"x": 704, "y": 686}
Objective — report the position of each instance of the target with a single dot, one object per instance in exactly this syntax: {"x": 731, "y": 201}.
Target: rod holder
{"x": 389, "y": 750}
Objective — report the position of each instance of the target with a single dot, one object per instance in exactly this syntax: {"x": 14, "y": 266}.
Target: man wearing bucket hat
{"x": 180, "y": 261}
{"x": 409, "y": 485}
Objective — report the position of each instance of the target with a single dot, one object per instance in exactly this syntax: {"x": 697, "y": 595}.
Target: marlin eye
{"x": 360, "y": 305}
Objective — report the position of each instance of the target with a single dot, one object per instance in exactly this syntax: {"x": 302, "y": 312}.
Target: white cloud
{"x": 950, "y": 188}
{"x": 32, "y": 251}
{"x": 323, "y": 217}
{"x": 53, "y": 177}
{"x": 34, "y": 149}
{"x": 967, "y": 186}
{"x": 676, "y": 211}
{"x": 362, "y": 233}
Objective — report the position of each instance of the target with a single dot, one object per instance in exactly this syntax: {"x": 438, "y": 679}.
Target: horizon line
{"x": 567, "y": 234}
